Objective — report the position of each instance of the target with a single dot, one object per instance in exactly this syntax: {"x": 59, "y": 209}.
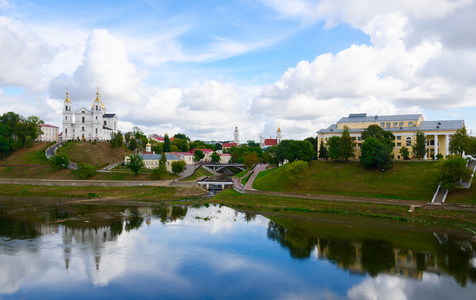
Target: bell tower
{"x": 236, "y": 138}
{"x": 68, "y": 133}
{"x": 278, "y": 135}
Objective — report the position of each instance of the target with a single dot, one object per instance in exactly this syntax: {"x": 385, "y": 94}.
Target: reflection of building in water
{"x": 405, "y": 263}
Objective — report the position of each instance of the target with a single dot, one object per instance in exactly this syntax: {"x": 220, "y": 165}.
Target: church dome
{"x": 98, "y": 101}
{"x": 67, "y": 98}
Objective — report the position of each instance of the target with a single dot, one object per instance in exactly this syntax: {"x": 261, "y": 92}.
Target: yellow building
{"x": 403, "y": 127}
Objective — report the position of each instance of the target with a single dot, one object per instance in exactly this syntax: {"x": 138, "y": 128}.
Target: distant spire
{"x": 67, "y": 96}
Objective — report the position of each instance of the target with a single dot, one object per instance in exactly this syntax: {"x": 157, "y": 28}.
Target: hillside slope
{"x": 98, "y": 154}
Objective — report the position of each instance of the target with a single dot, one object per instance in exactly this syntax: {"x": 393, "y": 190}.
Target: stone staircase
{"x": 439, "y": 196}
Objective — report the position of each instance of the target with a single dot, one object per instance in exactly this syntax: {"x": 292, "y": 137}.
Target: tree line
{"x": 17, "y": 132}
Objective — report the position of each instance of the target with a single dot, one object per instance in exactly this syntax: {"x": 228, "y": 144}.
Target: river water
{"x": 215, "y": 252}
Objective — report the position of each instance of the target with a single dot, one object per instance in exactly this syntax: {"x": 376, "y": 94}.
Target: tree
{"x": 181, "y": 144}
{"x": 375, "y": 154}
{"x": 296, "y": 170}
{"x": 215, "y": 157}
{"x": 313, "y": 142}
{"x": 300, "y": 150}
{"x": 282, "y": 151}
{"x": 333, "y": 144}
{"x": 166, "y": 143}
{"x": 252, "y": 143}
{"x": 59, "y": 161}
{"x": 181, "y": 136}
{"x": 199, "y": 155}
{"x": 85, "y": 171}
{"x": 127, "y": 137}
{"x": 459, "y": 142}
{"x": 132, "y": 144}
{"x": 380, "y": 134}
{"x": 250, "y": 159}
{"x": 32, "y": 127}
{"x": 163, "y": 159}
{"x": 137, "y": 132}
{"x": 471, "y": 149}
{"x": 451, "y": 170}
{"x": 158, "y": 147}
{"x": 404, "y": 152}
{"x": 346, "y": 145}
{"x": 159, "y": 172}
{"x": 135, "y": 163}
{"x": 419, "y": 149}
{"x": 178, "y": 166}
{"x": 116, "y": 140}
{"x": 322, "y": 150}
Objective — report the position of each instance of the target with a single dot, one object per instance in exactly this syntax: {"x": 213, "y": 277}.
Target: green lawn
{"x": 200, "y": 172}
{"x": 406, "y": 180}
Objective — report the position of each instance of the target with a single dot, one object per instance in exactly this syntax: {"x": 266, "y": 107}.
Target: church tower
{"x": 236, "y": 138}
{"x": 68, "y": 133}
{"x": 98, "y": 110}
{"x": 278, "y": 135}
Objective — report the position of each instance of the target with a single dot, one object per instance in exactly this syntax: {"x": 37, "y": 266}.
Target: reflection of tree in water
{"x": 133, "y": 222}
{"x": 249, "y": 217}
{"x": 341, "y": 251}
{"x": 300, "y": 245}
{"x": 377, "y": 256}
{"x": 17, "y": 229}
{"x": 170, "y": 213}
{"x": 455, "y": 258}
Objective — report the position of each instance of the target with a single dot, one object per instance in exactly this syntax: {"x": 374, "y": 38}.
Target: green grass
{"x": 98, "y": 154}
{"x": 28, "y": 156}
{"x": 200, "y": 172}
{"x": 406, "y": 180}
{"x": 242, "y": 173}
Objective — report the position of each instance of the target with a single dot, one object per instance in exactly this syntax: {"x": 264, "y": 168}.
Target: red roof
{"x": 225, "y": 154}
{"x": 270, "y": 142}
{"x": 48, "y": 125}
{"x": 203, "y": 150}
{"x": 229, "y": 145}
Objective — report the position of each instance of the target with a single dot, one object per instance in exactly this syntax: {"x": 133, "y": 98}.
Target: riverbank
{"x": 286, "y": 206}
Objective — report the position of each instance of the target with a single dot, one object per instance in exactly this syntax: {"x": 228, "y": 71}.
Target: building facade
{"x": 403, "y": 127}
{"x": 265, "y": 143}
{"x": 85, "y": 124}
{"x": 49, "y": 133}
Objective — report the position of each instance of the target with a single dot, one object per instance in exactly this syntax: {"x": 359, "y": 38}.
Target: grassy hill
{"x": 406, "y": 180}
{"x": 98, "y": 154}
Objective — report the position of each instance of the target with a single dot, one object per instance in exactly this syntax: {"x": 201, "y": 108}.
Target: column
{"x": 447, "y": 146}
{"x": 436, "y": 145}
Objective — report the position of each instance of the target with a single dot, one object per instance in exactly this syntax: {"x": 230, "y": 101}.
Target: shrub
{"x": 85, "y": 171}
{"x": 59, "y": 161}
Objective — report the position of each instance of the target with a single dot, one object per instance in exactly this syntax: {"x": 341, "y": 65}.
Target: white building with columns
{"x": 85, "y": 124}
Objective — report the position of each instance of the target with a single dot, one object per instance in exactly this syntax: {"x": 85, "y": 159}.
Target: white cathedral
{"x": 85, "y": 124}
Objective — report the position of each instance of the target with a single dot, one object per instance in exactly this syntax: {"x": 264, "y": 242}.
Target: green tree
{"x": 296, "y": 170}
{"x": 166, "y": 143}
{"x": 127, "y": 137}
{"x": 199, "y": 155}
{"x": 132, "y": 144}
{"x": 451, "y": 170}
{"x": 158, "y": 147}
{"x": 33, "y": 128}
{"x": 215, "y": 157}
{"x": 346, "y": 145}
{"x": 59, "y": 161}
{"x": 333, "y": 147}
{"x": 181, "y": 144}
{"x": 250, "y": 159}
{"x": 116, "y": 140}
{"x": 404, "y": 152}
{"x": 282, "y": 151}
{"x": 159, "y": 172}
{"x": 313, "y": 141}
{"x": 85, "y": 171}
{"x": 380, "y": 134}
{"x": 300, "y": 150}
{"x": 5, "y": 146}
{"x": 137, "y": 132}
{"x": 252, "y": 144}
{"x": 471, "y": 149}
{"x": 178, "y": 166}
{"x": 135, "y": 163}
{"x": 459, "y": 142}
{"x": 163, "y": 159}
{"x": 182, "y": 137}
{"x": 419, "y": 149}
{"x": 375, "y": 154}
{"x": 322, "y": 150}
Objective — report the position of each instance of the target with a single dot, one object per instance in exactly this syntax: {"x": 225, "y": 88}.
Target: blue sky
{"x": 204, "y": 67}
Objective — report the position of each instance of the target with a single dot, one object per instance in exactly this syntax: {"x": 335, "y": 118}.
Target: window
{"x": 96, "y": 130}
{"x": 360, "y": 144}
{"x": 400, "y": 124}
{"x": 388, "y": 125}
{"x": 382, "y": 124}
{"x": 359, "y": 138}
{"x": 96, "y": 117}
{"x": 395, "y": 124}
{"x": 326, "y": 139}
{"x": 66, "y": 130}
{"x": 410, "y": 124}
{"x": 104, "y": 123}
{"x": 96, "y": 107}
{"x": 399, "y": 144}
{"x": 409, "y": 141}
{"x": 83, "y": 128}
{"x": 66, "y": 117}
{"x": 399, "y": 138}
{"x": 353, "y": 138}
{"x": 82, "y": 120}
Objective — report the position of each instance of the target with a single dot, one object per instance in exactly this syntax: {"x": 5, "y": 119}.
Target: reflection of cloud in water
{"x": 18, "y": 270}
{"x": 432, "y": 286}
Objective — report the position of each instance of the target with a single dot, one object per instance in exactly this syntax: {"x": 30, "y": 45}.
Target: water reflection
{"x": 374, "y": 257}
{"x": 213, "y": 252}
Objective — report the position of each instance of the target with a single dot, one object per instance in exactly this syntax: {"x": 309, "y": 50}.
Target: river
{"x": 215, "y": 252}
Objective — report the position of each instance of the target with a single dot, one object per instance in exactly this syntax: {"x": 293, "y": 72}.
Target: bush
{"x": 178, "y": 166}
{"x": 59, "y": 161}
{"x": 159, "y": 172}
{"x": 85, "y": 171}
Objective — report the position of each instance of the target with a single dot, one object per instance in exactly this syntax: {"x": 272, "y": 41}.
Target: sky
{"x": 205, "y": 67}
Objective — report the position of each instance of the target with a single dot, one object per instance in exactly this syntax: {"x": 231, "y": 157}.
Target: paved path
{"x": 189, "y": 170}
{"x": 103, "y": 183}
{"x": 258, "y": 168}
